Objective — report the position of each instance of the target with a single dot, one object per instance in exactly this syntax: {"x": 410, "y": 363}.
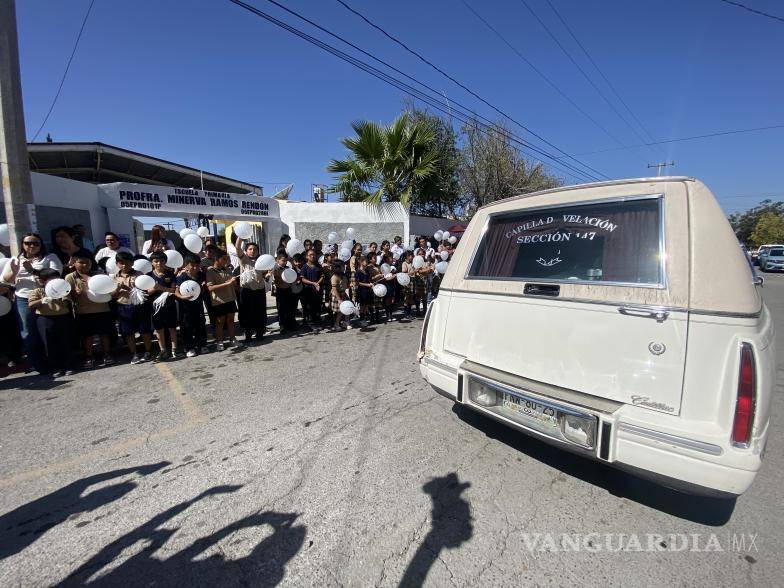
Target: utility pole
{"x": 659, "y": 166}
{"x": 14, "y": 165}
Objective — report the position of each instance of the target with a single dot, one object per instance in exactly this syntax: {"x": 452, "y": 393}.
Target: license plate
{"x": 530, "y": 409}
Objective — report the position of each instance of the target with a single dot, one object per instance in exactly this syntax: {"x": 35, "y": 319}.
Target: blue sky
{"x": 207, "y": 84}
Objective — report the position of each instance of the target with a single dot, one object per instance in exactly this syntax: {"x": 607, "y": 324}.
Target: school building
{"x": 107, "y": 188}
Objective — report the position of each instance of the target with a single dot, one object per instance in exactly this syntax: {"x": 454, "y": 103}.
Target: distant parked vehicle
{"x": 762, "y": 252}
{"x": 567, "y": 315}
{"x": 774, "y": 260}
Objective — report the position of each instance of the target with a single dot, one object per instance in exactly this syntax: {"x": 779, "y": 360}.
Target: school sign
{"x": 161, "y": 200}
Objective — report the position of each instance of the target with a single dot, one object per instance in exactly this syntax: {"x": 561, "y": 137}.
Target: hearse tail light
{"x": 744, "y": 407}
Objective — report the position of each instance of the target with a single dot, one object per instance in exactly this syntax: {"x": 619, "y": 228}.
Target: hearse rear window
{"x": 618, "y": 241}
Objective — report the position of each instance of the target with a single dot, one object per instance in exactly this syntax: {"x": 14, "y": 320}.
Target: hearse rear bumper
{"x": 682, "y": 462}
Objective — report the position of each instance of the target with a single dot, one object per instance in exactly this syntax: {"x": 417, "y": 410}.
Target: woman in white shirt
{"x": 112, "y": 248}
{"x": 22, "y": 272}
{"x": 157, "y": 235}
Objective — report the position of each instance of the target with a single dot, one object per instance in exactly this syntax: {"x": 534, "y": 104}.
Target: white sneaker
{"x": 220, "y": 347}
{"x": 191, "y": 353}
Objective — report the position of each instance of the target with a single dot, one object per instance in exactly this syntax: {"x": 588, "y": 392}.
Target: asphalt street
{"x": 325, "y": 460}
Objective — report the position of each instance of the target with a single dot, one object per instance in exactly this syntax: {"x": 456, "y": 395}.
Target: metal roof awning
{"x": 98, "y": 163}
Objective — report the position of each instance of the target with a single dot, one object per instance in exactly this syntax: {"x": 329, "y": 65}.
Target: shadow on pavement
{"x": 451, "y": 526}
{"x": 698, "y": 509}
{"x": 23, "y": 526}
{"x": 265, "y": 565}
{"x": 32, "y": 382}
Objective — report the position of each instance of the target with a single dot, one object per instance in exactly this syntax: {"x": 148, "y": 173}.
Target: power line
{"x": 435, "y": 102}
{"x": 541, "y": 73}
{"x": 680, "y": 139}
{"x": 470, "y": 112}
{"x": 581, "y": 70}
{"x": 65, "y": 73}
{"x": 753, "y": 10}
{"x": 601, "y": 73}
{"x": 452, "y": 79}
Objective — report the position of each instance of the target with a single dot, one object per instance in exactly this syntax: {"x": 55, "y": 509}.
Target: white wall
{"x": 371, "y": 222}
{"x": 428, "y": 225}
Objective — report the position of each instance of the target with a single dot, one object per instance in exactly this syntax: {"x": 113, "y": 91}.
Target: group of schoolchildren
{"x": 177, "y": 318}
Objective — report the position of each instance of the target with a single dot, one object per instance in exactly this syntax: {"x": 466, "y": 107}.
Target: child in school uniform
{"x": 338, "y": 292}
{"x": 92, "y": 318}
{"x": 364, "y": 288}
{"x": 376, "y": 302}
{"x": 326, "y": 290}
{"x": 419, "y": 282}
{"x": 133, "y": 316}
{"x": 284, "y": 298}
{"x": 353, "y": 268}
{"x": 407, "y": 267}
{"x": 312, "y": 280}
{"x": 390, "y": 282}
{"x": 54, "y": 320}
{"x": 223, "y": 294}
{"x": 193, "y": 327}
{"x": 164, "y": 306}
{"x": 297, "y": 261}
{"x": 252, "y": 297}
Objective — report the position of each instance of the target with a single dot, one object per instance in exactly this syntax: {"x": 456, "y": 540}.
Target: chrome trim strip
{"x": 756, "y": 314}
{"x": 437, "y": 364}
{"x": 662, "y": 285}
{"x": 575, "y": 300}
{"x": 526, "y": 395}
{"x": 683, "y": 442}
{"x": 592, "y": 185}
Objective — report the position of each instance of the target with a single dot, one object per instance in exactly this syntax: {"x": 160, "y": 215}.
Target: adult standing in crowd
{"x": 22, "y": 271}
{"x": 253, "y": 292}
{"x": 112, "y": 248}
{"x": 284, "y": 240}
{"x": 157, "y": 241}
{"x": 83, "y": 239}
{"x": 66, "y": 246}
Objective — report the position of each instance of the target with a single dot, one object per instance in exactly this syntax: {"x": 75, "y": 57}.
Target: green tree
{"x": 491, "y": 168}
{"x": 744, "y": 223}
{"x": 438, "y": 194}
{"x": 385, "y": 163}
{"x": 769, "y": 229}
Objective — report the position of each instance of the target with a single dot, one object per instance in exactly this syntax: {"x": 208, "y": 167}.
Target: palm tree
{"x": 384, "y": 162}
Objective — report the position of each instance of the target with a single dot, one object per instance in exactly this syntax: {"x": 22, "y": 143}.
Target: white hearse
{"x": 619, "y": 320}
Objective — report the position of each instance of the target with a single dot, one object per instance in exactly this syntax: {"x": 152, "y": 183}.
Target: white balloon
{"x": 58, "y": 288}
{"x": 441, "y": 267}
{"x": 347, "y": 308}
{"x": 444, "y": 255}
{"x": 193, "y": 243}
{"x": 98, "y": 297}
{"x": 5, "y": 306}
{"x": 453, "y": 239}
{"x": 111, "y": 265}
{"x": 243, "y": 230}
{"x": 265, "y": 263}
{"x": 190, "y": 289}
{"x": 419, "y": 261}
{"x": 144, "y": 282}
{"x": 289, "y": 275}
{"x": 332, "y": 237}
{"x": 321, "y": 260}
{"x": 445, "y": 236}
{"x": 102, "y": 284}
{"x": 294, "y": 246}
{"x": 438, "y": 235}
{"x": 347, "y": 245}
{"x": 185, "y": 232}
{"x": 4, "y": 238}
{"x": 296, "y": 288}
{"x": 385, "y": 268}
{"x": 142, "y": 266}
{"x": 380, "y": 290}
{"x": 403, "y": 279}
{"x": 203, "y": 232}
{"x": 344, "y": 254}
{"x": 349, "y": 233}
{"x": 173, "y": 259}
